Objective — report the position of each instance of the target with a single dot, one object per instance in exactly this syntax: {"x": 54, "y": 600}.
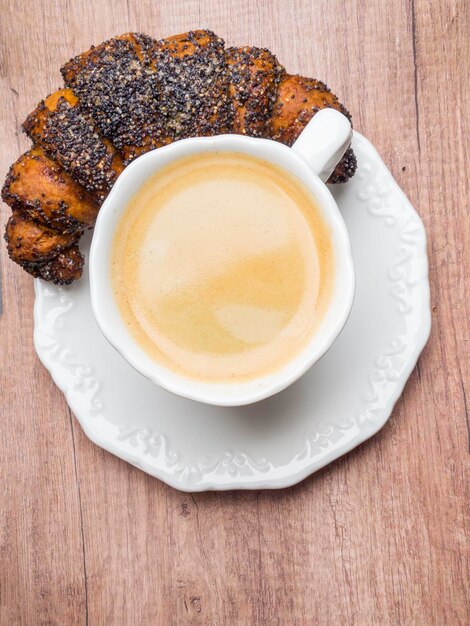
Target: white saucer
{"x": 342, "y": 401}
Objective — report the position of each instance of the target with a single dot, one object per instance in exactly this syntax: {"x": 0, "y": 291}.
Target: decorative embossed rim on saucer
{"x": 149, "y": 450}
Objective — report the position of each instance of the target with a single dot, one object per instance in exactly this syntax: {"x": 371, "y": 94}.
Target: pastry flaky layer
{"x": 127, "y": 96}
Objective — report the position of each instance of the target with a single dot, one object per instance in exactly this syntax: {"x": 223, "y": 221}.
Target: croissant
{"x": 127, "y": 96}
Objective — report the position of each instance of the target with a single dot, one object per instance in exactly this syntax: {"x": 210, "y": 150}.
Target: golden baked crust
{"x": 194, "y": 82}
{"x": 298, "y": 99}
{"x": 255, "y": 74}
{"x": 62, "y": 130}
{"x": 118, "y": 87}
{"x": 28, "y": 241}
{"x": 45, "y": 193}
{"x": 345, "y": 168}
{"x": 62, "y": 269}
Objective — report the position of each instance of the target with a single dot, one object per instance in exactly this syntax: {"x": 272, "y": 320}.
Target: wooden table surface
{"x": 379, "y": 537}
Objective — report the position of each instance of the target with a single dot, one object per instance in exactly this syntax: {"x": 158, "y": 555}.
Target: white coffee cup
{"x": 312, "y": 158}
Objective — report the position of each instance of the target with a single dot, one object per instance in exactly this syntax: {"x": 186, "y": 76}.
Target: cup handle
{"x": 323, "y": 141}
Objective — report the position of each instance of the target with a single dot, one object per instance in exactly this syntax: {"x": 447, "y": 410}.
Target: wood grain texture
{"x": 379, "y": 537}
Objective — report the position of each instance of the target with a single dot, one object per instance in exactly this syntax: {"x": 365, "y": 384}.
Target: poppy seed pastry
{"x": 129, "y": 95}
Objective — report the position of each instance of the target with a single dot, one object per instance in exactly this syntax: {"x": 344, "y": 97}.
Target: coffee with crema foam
{"x": 222, "y": 267}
